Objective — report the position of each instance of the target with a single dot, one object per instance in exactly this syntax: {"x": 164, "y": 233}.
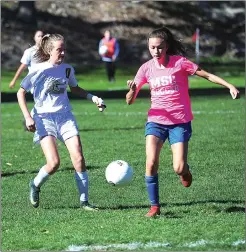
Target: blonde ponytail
{"x": 46, "y": 45}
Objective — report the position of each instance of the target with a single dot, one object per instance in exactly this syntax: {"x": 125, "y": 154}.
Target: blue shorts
{"x": 175, "y": 133}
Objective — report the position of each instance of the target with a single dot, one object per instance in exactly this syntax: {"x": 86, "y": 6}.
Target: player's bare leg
{"x": 180, "y": 166}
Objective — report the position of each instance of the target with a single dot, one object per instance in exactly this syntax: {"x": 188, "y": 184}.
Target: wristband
{"x": 89, "y": 96}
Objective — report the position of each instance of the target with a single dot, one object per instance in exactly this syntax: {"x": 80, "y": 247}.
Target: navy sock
{"x": 153, "y": 189}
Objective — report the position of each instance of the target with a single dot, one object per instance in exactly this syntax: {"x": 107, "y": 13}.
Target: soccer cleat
{"x": 153, "y": 212}
{"x": 34, "y": 194}
{"x": 186, "y": 179}
{"x": 88, "y": 207}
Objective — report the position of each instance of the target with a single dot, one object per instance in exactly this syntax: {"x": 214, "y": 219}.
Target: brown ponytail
{"x": 175, "y": 47}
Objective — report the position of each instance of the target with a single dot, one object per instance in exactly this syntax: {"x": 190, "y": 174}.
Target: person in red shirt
{"x": 109, "y": 50}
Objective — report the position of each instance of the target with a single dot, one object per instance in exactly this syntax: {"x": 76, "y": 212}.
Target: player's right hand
{"x": 132, "y": 85}
{"x": 30, "y": 124}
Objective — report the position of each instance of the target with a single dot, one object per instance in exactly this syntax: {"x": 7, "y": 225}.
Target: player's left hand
{"x": 234, "y": 93}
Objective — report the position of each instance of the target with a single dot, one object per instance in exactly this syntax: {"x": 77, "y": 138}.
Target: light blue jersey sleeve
{"x": 72, "y": 82}
{"x": 27, "y": 82}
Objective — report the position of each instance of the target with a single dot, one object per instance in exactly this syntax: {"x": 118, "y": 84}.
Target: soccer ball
{"x": 103, "y": 50}
{"x": 119, "y": 173}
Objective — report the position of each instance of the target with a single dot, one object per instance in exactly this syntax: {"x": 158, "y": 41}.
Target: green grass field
{"x": 95, "y": 78}
{"x": 208, "y": 216}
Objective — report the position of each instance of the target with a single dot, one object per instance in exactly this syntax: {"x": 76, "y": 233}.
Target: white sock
{"x": 42, "y": 176}
{"x": 82, "y": 184}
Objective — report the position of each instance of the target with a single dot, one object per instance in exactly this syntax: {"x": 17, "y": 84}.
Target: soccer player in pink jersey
{"x": 52, "y": 118}
{"x": 170, "y": 114}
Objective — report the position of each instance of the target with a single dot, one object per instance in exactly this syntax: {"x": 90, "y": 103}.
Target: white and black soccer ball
{"x": 119, "y": 173}
{"x": 103, "y": 50}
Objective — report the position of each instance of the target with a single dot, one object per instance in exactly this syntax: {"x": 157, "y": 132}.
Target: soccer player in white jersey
{"x": 52, "y": 118}
{"x": 27, "y": 59}
{"x": 170, "y": 114}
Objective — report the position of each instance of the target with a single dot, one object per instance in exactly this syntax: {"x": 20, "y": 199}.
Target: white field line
{"x": 140, "y": 245}
{"x": 239, "y": 242}
{"x": 196, "y": 244}
{"x": 127, "y": 246}
{"x": 130, "y": 113}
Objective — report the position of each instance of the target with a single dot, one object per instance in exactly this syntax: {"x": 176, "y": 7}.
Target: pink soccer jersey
{"x": 170, "y": 101}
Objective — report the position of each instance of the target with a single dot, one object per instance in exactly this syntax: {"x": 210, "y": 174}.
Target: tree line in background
{"x": 221, "y": 25}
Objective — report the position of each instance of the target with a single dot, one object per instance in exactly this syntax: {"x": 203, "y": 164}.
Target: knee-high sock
{"x": 82, "y": 184}
{"x": 153, "y": 189}
{"x": 41, "y": 177}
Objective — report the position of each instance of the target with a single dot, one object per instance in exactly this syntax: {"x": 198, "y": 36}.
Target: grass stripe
{"x": 135, "y": 113}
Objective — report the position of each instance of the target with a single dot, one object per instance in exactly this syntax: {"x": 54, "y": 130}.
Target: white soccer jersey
{"x": 28, "y": 58}
{"x": 49, "y": 85}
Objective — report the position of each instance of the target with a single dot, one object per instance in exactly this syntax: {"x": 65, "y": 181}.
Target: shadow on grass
{"x": 103, "y": 129}
{"x": 234, "y": 209}
{"x": 9, "y": 174}
{"x": 192, "y": 203}
{"x": 170, "y": 214}
{"x": 121, "y": 94}
{"x": 174, "y": 215}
